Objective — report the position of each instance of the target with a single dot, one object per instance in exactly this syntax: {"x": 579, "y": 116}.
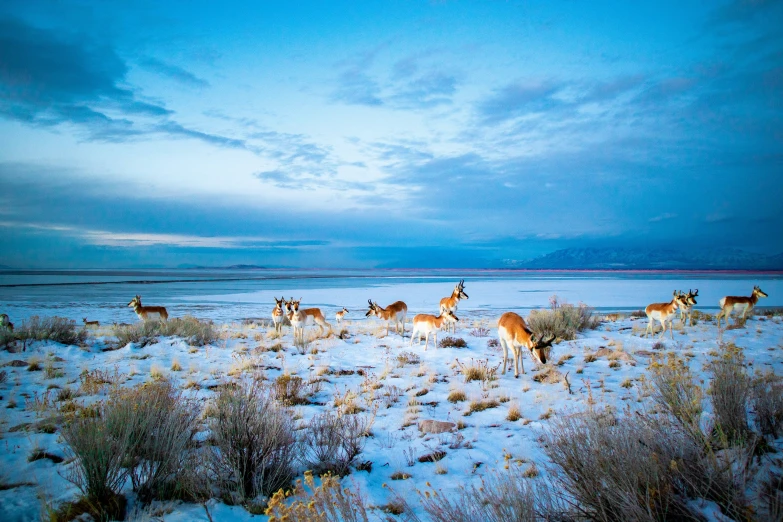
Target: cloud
{"x": 174, "y": 72}
{"x": 410, "y": 84}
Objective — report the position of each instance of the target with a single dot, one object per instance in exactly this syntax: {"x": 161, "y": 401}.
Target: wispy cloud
{"x": 173, "y": 71}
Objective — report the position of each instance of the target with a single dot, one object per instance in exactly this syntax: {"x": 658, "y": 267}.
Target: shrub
{"x": 333, "y": 442}
{"x": 480, "y": 331}
{"x": 162, "y": 423}
{"x": 767, "y": 399}
{"x": 563, "y": 320}
{"x": 632, "y": 468}
{"x": 6, "y": 337}
{"x": 57, "y": 329}
{"x": 195, "y": 332}
{"x": 452, "y": 342}
{"x": 676, "y": 393}
{"x": 253, "y": 444}
{"x": 502, "y": 496}
{"x": 99, "y": 446}
{"x": 730, "y": 390}
{"x": 478, "y": 371}
{"x": 328, "y": 502}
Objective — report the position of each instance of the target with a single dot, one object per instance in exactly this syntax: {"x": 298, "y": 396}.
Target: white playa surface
{"x": 487, "y": 435}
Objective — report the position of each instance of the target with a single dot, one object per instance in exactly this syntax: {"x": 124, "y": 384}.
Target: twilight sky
{"x": 363, "y": 134}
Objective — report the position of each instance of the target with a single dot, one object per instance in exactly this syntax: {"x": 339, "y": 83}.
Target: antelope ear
{"x": 534, "y": 339}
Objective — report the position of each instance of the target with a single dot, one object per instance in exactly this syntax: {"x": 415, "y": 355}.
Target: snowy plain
{"x": 476, "y": 449}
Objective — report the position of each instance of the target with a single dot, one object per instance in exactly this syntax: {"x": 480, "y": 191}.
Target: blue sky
{"x": 365, "y": 134}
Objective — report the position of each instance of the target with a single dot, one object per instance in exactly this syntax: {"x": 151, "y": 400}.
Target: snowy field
{"x": 604, "y": 365}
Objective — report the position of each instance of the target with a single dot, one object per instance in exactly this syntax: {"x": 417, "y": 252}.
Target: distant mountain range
{"x": 652, "y": 259}
{"x": 231, "y": 267}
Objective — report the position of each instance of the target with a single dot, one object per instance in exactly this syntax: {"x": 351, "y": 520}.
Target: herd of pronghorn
{"x": 513, "y": 332}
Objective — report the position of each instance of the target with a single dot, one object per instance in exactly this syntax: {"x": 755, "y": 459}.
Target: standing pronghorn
{"x": 339, "y": 315}
{"x": 426, "y": 324}
{"x": 146, "y": 313}
{"x": 663, "y": 313}
{"x": 278, "y": 315}
{"x": 90, "y": 324}
{"x": 514, "y": 334}
{"x": 299, "y": 318}
{"x": 730, "y": 303}
{"x": 450, "y": 303}
{"x": 394, "y": 312}
{"x": 686, "y": 306}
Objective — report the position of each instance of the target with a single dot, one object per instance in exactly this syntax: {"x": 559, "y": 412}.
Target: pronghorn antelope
{"x": 514, "y": 334}
{"x": 686, "y": 306}
{"x": 146, "y": 313}
{"x": 663, "y": 313}
{"x": 90, "y": 324}
{"x": 425, "y": 324}
{"x": 450, "y": 303}
{"x": 394, "y": 312}
{"x": 300, "y": 317}
{"x": 730, "y": 303}
{"x": 6, "y": 323}
{"x": 278, "y": 315}
{"x": 339, "y": 315}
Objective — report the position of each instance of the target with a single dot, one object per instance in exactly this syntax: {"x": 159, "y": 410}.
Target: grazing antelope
{"x": 90, "y": 324}
{"x": 663, "y": 313}
{"x": 394, "y": 312}
{"x": 450, "y": 303}
{"x": 278, "y": 315}
{"x": 514, "y": 334}
{"x": 425, "y": 324}
{"x": 300, "y": 317}
{"x": 731, "y": 303}
{"x": 339, "y": 315}
{"x": 6, "y": 323}
{"x": 147, "y": 313}
{"x": 686, "y": 306}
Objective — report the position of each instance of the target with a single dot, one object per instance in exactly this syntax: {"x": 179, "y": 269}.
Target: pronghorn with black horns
{"x": 146, "y": 313}
{"x": 425, "y": 324}
{"x": 278, "y": 314}
{"x": 301, "y": 317}
{"x": 663, "y": 313}
{"x": 450, "y": 303}
{"x": 394, "y": 312}
{"x": 730, "y": 303}
{"x": 514, "y": 335}
{"x": 687, "y": 301}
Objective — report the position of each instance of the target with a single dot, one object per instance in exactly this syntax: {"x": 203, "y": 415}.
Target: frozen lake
{"x": 229, "y": 295}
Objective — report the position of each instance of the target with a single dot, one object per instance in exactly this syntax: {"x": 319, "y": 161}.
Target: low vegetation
{"x": 562, "y": 320}
{"x": 57, "y": 329}
{"x": 190, "y": 329}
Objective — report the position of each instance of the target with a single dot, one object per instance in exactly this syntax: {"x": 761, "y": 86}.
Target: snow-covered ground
{"x": 471, "y": 452}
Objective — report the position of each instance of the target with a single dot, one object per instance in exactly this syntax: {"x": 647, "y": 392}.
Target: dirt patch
{"x": 550, "y": 375}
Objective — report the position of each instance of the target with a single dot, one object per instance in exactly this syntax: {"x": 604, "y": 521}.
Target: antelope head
{"x": 758, "y": 292}
{"x": 135, "y": 301}
{"x": 541, "y": 347}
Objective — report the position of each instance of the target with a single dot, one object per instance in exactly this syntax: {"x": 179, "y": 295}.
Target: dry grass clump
{"x": 56, "y": 329}
{"x": 730, "y": 393}
{"x": 481, "y": 405}
{"x": 767, "y": 399}
{"x": 328, "y": 502}
{"x": 253, "y": 445}
{"x": 291, "y": 390}
{"x": 478, "y": 371}
{"x": 514, "y": 414}
{"x": 457, "y": 395}
{"x": 562, "y": 320}
{"x": 549, "y": 375}
{"x": 332, "y": 442}
{"x": 452, "y": 342}
{"x": 480, "y": 331}
{"x": 405, "y": 358}
{"x": 91, "y": 381}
